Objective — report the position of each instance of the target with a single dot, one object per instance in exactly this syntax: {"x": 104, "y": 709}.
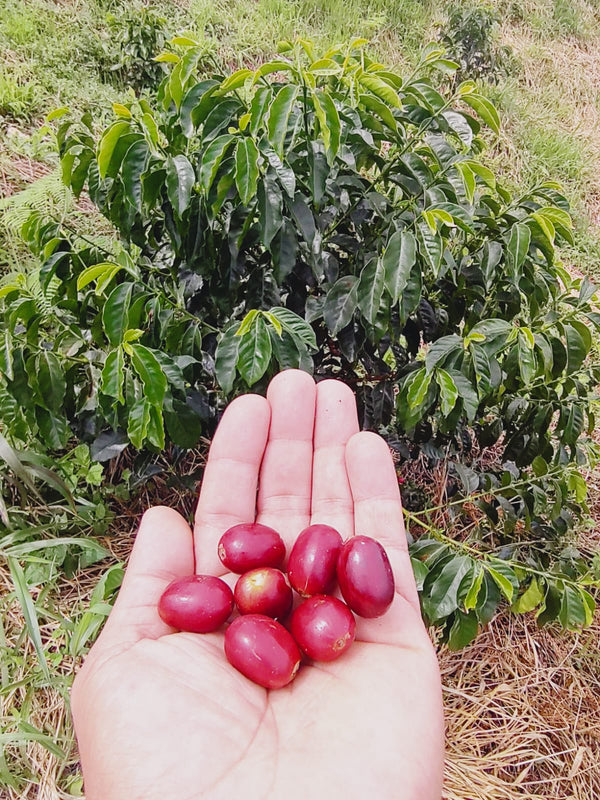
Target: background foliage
{"x": 324, "y": 212}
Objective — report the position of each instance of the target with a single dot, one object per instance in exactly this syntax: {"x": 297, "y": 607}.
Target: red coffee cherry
{"x": 312, "y": 562}
{"x": 250, "y": 545}
{"x": 365, "y": 576}
{"x": 197, "y": 603}
{"x": 262, "y": 650}
{"x": 263, "y": 591}
{"x": 323, "y": 627}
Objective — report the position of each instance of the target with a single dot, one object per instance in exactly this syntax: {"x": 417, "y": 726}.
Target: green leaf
{"x": 484, "y": 108}
{"x": 572, "y": 614}
{"x": 420, "y": 570}
{"x": 108, "y": 143}
{"x": 272, "y": 66}
{"x": 441, "y": 349}
{"x": 370, "y": 289}
{"x": 51, "y": 379}
{"x": 431, "y": 247}
{"x": 576, "y": 348}
{"x": 180, "y": 182}
{"x": 518, "y": 245}
{"x": 211, "y": 160}
{"x": 417, "y": 391}
{"x": 113, "y": 375}
{"x": 473, "y": 593}
{"x": 29, "y": 613}
{"x": 448, "y": 391}
{"x": 137, "y": 422}
{"x": 329, "y": 122}
{"x": 467, "y": 394}
{"x": 226, "y": 357}
{"x": 492, "y": 328}
{"x": 504, "y": 578}
{"x": 148, "y": 368}
{"x": 103, "y": 273}
{"x": 443, "y": 596}
{"x": 527, "y": 360}
{"x": 398, "y": 260}
{"x": 132, "y": 167}
{"x": 376, "y": 106}
{"x": 463, "y": 631}
{"x": 254, "y": 352}
{"x": 115, "y": 314}
{"x": 380, "y": 89}
{"x": 235, "y": 80}
{"x": 279, "y": 115}
{"x": 246, "y": 169}
{"x": 530, "y": 599}
{"x": 54, "y": 430}
{"x": 483, "y": 370}
{"x": 270, "y": 208}
{"x": 296, "y": 326}
{"x": 468, "y": 179}
{"x": 258, "y": 108}
{"x": 155, "y": 432}
{"x": 341, "y": 303}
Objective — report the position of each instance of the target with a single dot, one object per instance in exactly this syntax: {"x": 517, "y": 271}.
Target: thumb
{"x": 163, "y": 551}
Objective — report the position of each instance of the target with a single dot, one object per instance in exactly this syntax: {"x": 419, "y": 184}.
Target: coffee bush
{"x": 326, "y": 213}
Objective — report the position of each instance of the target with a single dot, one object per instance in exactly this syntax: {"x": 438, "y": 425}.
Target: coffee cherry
{"x": 312, "y": 562}
{"x": 198, "y": 603}
{"x": 262, "y": 650}
{"x": 250, "y": 545}
{"x": 365, "y": 576}
{"x": 263, "y": 591}
{"x": 323, "y": 627}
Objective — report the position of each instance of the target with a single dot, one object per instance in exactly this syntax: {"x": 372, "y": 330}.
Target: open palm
{"x": 163, "y": 715}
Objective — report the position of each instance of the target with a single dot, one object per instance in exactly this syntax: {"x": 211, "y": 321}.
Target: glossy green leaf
{"x": 398, "y": 260}
{"x": 148, "y": 368}
{"x": 108, "y": 143}
{"x": 246, "y": 169}
{"x": 296, "y": 326}
{"x": 464, "y": 629}
{"x": 279, "y": 115}
{"x": 448, "y": 391}
{"x": 113, "y": 375}
{"x": 443, "y": 347}
{"x": 484, "y": 108}
{"x": 270, "y": 208}
{"x": 370, "y": 289}
{"x": 572, "y": 614}
{"x": 518, "y": 245}
{"x": 475, "y": 588}
{"x": 133, "y": 165}
{"x": 235, "y": 80}
{"x": 115, "y": 314}
{"x": 137, "y": 422}
{"x": 530, "y": 599}
{"x": 504, "y": 577}
{"x": 254, "y": 352}
{"x": 329, "y": 122}
{"x": 341, "y": 303}
{"x": 417, "y": 391}
{"x": 211, "y": 160}
{"x": 380, "y": 89}
{"x": 226, "y": 357}
{"x": 180, "y": 182}
{"x": 443, "y": 595}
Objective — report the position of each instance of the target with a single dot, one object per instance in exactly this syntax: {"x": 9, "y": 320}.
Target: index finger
{"x": 229, "y": 485}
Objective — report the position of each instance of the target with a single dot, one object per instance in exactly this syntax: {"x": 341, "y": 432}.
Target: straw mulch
{"x": 523, "y": 714}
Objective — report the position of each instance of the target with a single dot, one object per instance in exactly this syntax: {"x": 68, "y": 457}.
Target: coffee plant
{"x": 325, "y": 213}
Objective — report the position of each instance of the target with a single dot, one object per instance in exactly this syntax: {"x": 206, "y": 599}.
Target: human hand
{"x": 163, "y": 715}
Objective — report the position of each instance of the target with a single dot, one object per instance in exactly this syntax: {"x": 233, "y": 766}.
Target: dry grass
{"x": 523, "y": 714}
{"x": 522, "y": 704}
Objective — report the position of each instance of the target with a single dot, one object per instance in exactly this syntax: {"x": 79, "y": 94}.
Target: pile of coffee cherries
{"x": 321, "y": 627}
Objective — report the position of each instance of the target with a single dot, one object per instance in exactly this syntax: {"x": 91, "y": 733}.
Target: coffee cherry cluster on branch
{"x": 266, "y": 642}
